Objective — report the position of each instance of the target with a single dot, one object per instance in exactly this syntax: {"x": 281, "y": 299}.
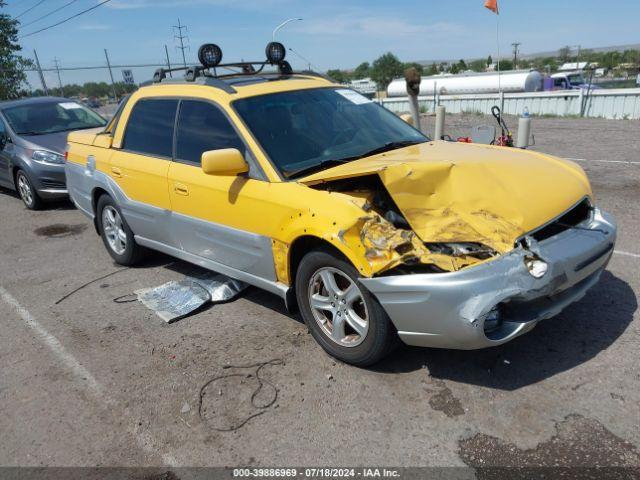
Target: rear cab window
{"x": 149, "y": 129}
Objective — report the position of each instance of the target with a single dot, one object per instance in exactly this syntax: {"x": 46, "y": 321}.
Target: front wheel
{"x": 343, "y": 317}
{"x": 116, "y": 234}
{"x": 27, "y": 193}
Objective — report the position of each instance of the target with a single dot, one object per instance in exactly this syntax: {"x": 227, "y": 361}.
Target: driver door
{"x": 222, "y": 218}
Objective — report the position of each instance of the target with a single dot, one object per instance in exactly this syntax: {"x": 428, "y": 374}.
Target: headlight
{"x": 469, "y": 249}
{"x": 44, "y": 156}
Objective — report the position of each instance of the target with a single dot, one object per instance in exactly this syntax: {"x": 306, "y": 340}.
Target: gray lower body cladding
{"x": 448, "y": 310}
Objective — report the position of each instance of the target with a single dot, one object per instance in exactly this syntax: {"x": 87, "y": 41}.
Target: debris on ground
{"x": 178, "y": 298}
{"x": 263, "y": 388}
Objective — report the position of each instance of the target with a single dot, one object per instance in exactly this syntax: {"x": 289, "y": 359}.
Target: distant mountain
{"x": 528, "y": 56}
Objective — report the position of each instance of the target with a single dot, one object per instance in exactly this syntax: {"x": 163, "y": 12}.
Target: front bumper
{"x": 447, "y": 310}
{"x": 49, "y": 181}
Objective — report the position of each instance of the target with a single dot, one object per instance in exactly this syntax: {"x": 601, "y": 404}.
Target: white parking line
{"x": 603, "y": 161}
{"x": 144, "y": 441}
{"x": 627, "y": 254}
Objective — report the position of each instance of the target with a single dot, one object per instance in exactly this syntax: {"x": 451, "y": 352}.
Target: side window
{"x": 202, "y": 127}
{"x": 150, "y": 127}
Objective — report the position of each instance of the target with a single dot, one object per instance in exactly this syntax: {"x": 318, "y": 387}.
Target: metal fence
{"x": 621, "y": 103}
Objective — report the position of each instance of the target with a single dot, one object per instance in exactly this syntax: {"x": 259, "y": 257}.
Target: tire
{"x": 361, "y": 343}
{"x": 116, "y": 235}
{"x": 27, "y": 193}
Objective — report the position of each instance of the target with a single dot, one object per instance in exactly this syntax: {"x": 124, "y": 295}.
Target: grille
{"x": 573, "y": 217}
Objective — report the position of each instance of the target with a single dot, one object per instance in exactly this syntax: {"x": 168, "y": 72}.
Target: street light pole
{"x": 275, "y": 30}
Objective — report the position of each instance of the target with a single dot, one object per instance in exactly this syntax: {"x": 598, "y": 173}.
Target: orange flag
{"x": 492, "y": 5}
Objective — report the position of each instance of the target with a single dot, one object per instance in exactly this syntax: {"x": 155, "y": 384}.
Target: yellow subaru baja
{"x": 311, "y": 191}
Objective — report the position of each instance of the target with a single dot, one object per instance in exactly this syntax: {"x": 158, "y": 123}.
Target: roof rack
{"x": 204, "y": 75}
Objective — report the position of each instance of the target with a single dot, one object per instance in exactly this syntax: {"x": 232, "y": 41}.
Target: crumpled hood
{"x": 459, "y": 192}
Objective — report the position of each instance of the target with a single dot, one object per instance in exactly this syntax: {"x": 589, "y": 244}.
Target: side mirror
{"x": 226, "y": 162}
{"x": 4, "y": 139}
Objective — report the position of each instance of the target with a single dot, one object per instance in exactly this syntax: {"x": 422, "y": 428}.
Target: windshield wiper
{"x": 29, "y": 132}
{"x": 387, "y": 147}
{"x": 314, "y": 168}
{"x": 333, "y": 162}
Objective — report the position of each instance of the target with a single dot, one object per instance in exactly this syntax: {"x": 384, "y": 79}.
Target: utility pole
{"x": 179, "y": 36}
{"x": 57, "y": 67}
{"x": 44, "y": 84}
{"x": 113, "y": 84}
{"x": 516, "y": 49}
{"x": 166, "y": 51}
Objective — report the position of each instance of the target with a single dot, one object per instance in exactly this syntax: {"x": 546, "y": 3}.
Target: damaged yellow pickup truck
{"x": 311, "y": 191}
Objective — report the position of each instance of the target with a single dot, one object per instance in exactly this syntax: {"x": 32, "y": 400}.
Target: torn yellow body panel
{"x": 451, "y": 192}
{"x": 387, "y": 247}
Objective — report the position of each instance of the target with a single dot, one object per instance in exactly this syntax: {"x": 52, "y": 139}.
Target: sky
{"x": 332, "y": 34}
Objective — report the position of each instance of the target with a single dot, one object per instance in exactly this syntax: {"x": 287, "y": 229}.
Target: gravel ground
{"x": 92, "y": 382}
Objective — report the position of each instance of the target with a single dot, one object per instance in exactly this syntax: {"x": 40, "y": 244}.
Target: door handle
{"x": 116, "y": 172}
{"x": 180, "y": 189}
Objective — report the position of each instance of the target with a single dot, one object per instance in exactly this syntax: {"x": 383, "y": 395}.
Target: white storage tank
{"x": 467, "y": 83}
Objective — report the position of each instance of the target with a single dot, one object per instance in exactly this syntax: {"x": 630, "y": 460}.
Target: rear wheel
{"x": 343, "y": 317}
{"x": 26, "y": 191}
{"x": 116, "y": 234}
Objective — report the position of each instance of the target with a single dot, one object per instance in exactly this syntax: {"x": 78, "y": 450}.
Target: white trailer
{"x": 469, "y": 83}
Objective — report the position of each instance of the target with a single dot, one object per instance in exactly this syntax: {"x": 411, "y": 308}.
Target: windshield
{"x": 576, "y": 80}
{"x": 308, "y": 130}
{"x": 50, "y": 117}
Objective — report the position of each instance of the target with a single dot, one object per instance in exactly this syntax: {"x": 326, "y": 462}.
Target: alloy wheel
{"x": 338, "y": 307}
{"x": 113, "y": 228}
{"x": 24, "y": 189}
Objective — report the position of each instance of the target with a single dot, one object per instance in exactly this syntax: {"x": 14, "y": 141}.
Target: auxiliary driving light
{"x": 537, "y": 268}
{"x": 209, "y": 55}
{"x": 275, "y": 52}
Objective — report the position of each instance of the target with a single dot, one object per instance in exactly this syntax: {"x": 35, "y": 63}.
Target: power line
{"x": 29, "y": 9}
{"x": 66, "y": 19}
{"x": 48, "y": 14}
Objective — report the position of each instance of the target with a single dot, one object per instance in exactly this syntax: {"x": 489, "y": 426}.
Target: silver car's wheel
{"x": 114, "y": 230}
{"x": 338, "y": 307}
{"x": 25, "y": 190}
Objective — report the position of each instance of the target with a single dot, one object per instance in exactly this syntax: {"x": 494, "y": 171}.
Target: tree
{"x": 415, "y": 65}
{"x": 433, "y": 69}
{"x": 506, "y": 65}
{"x": 362, "y": 70}
{"x": 478, "y": 65}
{"x": 564, "y": 54}
{"x": 454, "y": 69}
{"x": 338, "y": 76}
{"x": 462, "y": 65}
{"x": 489, "y": 61}
{"x": 385, "y": 68}
{"x": 12, "y": 65}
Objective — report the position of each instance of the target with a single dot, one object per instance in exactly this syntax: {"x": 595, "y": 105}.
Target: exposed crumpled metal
{"x": 179, "y": 298}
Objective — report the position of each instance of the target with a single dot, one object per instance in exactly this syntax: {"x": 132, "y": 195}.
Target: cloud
{"x": 378, "y": 26}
